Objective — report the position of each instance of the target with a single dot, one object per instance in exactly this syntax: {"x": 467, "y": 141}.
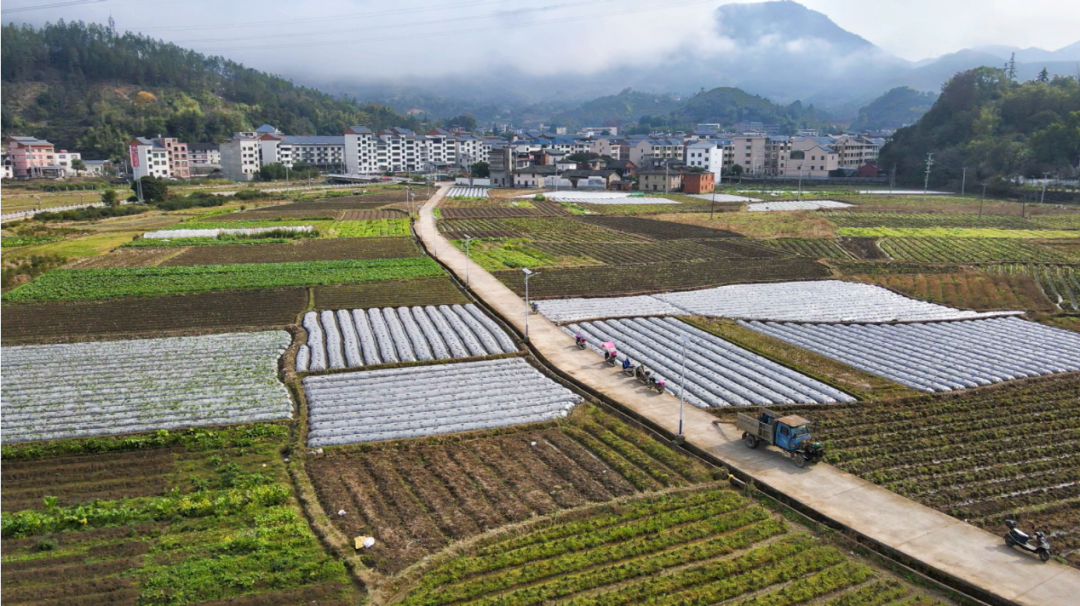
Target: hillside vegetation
{"x": 995, "y": 127}
{"x": 84, "y": 87}
{"x": 899, "y": 107}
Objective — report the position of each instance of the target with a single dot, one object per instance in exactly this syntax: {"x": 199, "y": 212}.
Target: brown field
{"x": 141, "y": 256}
{"x": 610, "y": 280}
{"x": 863, "y": 248}
{"x": 275, "y": 212}
{"x": 335, "y": 249}
{"x": 657, "y": 229}
{"x": 982, "y": 292}
{"x": 422, "y": 291}
{"x": 150, "y": 316}
{"x": 654, "y": 252}
{"x": 370, "y": 215}
{"x": 418, "y": 496}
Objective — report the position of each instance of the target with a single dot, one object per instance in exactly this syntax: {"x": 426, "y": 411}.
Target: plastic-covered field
{"x": 718, "y": 373}
{"x": 90, "y": 389}
{"x": 601, "y": 197}
{"x": 401, "y": 403}
{"x": 796, "y": 205}
{"x": 809, "y": 301}
{"x": 724, "y": 198}
{"x": 367, "y": 337}
{"x": 167, "y": 234}
{"x": 941, "y": 356}
{"x": 467, "y": 192}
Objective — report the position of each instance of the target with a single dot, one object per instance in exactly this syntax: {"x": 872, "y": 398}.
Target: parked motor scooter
{"x": 1018, "y": 538}
{"x": 580, "y": 342}
{"x": 630, "y": 370}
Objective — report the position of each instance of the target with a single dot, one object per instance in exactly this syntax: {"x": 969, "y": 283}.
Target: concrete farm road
{"x": 926, "y": 535}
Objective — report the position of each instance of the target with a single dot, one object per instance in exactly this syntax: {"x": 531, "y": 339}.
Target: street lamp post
{"x": 800, "y": 181}
{"x": 528, "y": 274}
{"x": 467, "y": 241}
{"x": 682, "y": 386}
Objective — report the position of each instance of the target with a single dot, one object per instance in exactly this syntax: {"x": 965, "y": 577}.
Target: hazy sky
{"x": 310, "y": 40}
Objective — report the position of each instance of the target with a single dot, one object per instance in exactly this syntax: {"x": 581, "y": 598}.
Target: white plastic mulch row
{"x": 796, "y": 205}
{"x": 366, "y": 337}
{"x": 717, "y": 373}
{"x": 941, "y": 356}
{"x": 467, "y": 192}
{"x": 809, "y": 301}
{"x": 419, "y": 401}
{"x": 724, "y": 198}
{"x": 90, "y": 389}
{"x": 213, "y": 233}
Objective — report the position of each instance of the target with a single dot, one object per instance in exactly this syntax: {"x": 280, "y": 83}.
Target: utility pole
{"x": 892, "y": 178}
{"x": 963, "y": 182}
{"x": 1042, "y": 197}
{"x": 467, "y": 241}
{"x": 982, "y": 199}
{"x": 929, "y": 163}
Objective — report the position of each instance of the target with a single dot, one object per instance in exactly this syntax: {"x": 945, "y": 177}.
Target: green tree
{"x": 1044, "y": 76}
{"x": 737, "y": 170}
{"x": 109, "y": 197}
{"x": 480, "y": 170}
{"x": 154, "y": 190}
{"x": 78, "y": 164}
{"x": 466, "y": 121}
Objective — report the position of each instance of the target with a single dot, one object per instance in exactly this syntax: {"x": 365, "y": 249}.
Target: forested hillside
{"x": 995, "y": 127}
{"x": 729, "y": 106}
{"x": 618, "y": 110}
{"x": 899, "y": 107}
{"x": 83, "y": 87}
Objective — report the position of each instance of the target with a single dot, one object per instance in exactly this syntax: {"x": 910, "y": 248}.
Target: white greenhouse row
{"x": 796, "y": 205}
{"x": 116, "y": 387}
{"x": 809, "y": 301}
{"x": 400, "y": 403}
{"x": 367, "y": 337}
{"x": 167, "y": 234}
{"x": 600, "y": 197}
{"x": 717, "y": 373}
{"x": 467, "y": 192}
{"x": 941, "y": 356}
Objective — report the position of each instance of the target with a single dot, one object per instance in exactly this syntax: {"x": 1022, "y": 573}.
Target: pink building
{"x": 31, "y": 157}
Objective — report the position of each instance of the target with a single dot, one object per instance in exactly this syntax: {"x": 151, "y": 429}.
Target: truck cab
{"x": 791, "y": 432}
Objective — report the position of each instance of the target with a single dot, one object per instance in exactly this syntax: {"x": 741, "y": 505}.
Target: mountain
{"x": 900, "y": 106}
{"x": 752, "y": 24}
{"x": 994, "y": 127}
{"x": 1032, "y": 55}
{"x": 729, "y": 106}
{"x": 617, "y": 110}
{"x": 84, "y": 87}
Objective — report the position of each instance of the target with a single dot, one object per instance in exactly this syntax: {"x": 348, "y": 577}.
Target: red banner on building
{"x": 134, "y": 156}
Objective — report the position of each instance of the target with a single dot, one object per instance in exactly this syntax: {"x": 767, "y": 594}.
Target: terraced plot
{"x": 1024, "y": 465}
{"x": 813, "y": 248}
{"x": 966, "y": 290}
{"x": 956, "y": 232}
{"x": 717, "y": 373}
{"x": 708, "y": 546}
{"x": 336, "y": 249}
{"x": 657, "y": 230}
{"x": 1060, "y": 283}
{"x": 356, "y": 338}
{"x": 942, "y": 356}
{"x": 658, "y": 252}
{"x": 969, "y": 250}
{"x": 420, "y": 401}
{"x": 931, "y": 220}
{"x": 437, "y": 290}
{"x": 186, "y": 518}
{"x": 228, "y": 311}
{"x": 538, "y": 229}
{"x": 92, "y": 389}
{"x": 418, "y": 496}
{"x": 659, "y": 277}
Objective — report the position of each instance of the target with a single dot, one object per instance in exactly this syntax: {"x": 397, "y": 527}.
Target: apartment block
{"x": 240, "y": 157}
{"x": 30, "y": 157}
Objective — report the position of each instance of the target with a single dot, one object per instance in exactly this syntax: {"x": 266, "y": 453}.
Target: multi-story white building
{"x": 811, "y": 157}
{"x": 148, "y": 159}
{"x": 707, "y": 155}
{"x": 204, "y": 155}
{"x": 240, "y": 157}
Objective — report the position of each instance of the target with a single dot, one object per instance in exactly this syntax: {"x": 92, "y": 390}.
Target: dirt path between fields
{"x": 924, "y": 534}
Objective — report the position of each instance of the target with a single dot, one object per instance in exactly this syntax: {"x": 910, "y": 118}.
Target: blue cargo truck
{"x": 789, "y": 433}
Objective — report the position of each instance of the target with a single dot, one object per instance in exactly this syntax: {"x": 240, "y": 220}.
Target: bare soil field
{"x": 418, "y": 496}
{"x": 422, "y": 291}
{"x": 225, "y": 311}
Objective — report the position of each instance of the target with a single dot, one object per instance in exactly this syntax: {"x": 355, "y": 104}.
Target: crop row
{"x": 1060, "y": 283}
{"x": 387, "y": 336}
{"x": 808, "y": 301}
{"x": 814, "y": 248}
{"x": 427, "y": 400}
{"x": 86, "y": 389}
{"x": 545, "y": 229}
{"x": 966, "y": 290}
{"x": 656, "y": 230}
{"x": 82, "y": 284}
{"x": 955, "y": 232}
{"x": 611, "y": 280}
{"x": 929, "y": 220}
{"x": 717, "y": 373}
{"x": 969, "y": 250}
{"x": 417, "y": 496}
{"x": 942, "y": 356}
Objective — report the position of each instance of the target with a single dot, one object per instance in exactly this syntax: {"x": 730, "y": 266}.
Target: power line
{"x": 454, "y": 32}
{"x": 394, "y": 26}
{"x": 23, "y": 9}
